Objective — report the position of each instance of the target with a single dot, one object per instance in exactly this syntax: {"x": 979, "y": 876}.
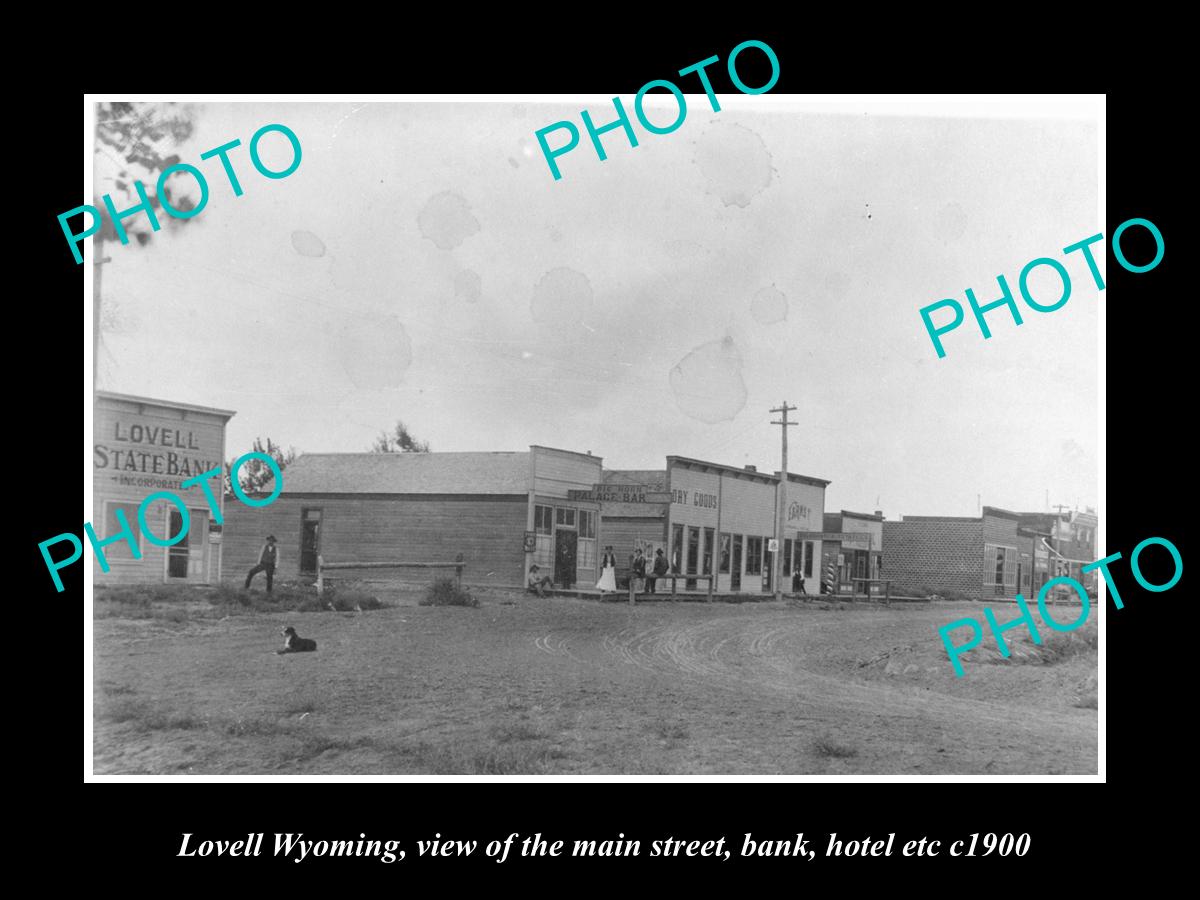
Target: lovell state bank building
{"x": 141, "y": 446}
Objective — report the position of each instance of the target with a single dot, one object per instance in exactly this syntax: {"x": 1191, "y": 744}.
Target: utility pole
{"x": 98, "y": 261}
{"x": 781, "y": 500}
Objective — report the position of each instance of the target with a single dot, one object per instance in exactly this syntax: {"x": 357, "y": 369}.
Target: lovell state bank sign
{"x": 142, "y": 443}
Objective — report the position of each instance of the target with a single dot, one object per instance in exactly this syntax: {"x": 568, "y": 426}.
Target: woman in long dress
{"x": 608, "y": 572}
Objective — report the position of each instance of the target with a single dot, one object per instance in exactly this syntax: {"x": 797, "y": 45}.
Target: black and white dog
{"x": 293, "y": 643}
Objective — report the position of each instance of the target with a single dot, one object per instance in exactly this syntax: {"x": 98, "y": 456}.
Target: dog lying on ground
{"x": 293, "y": 643}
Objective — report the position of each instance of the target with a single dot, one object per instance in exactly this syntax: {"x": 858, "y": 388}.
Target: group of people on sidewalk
{"x": 539, "y": 584}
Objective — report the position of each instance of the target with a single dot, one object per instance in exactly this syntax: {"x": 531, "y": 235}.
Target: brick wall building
{"x": 979, "y": 557}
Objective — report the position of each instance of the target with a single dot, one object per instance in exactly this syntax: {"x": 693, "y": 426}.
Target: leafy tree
{"x": 255, "y": 476}
{"x": 132, "y": 144}
{"x": 400, "y": 440}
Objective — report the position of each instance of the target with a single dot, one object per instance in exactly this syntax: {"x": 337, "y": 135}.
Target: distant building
{"x": 1065, "y": 543}
{"x": 978, "y": 557}
{"x": 853, "y": 550}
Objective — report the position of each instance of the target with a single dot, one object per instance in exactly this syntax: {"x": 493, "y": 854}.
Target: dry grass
{"x": 184, "y": 603}
{"x": 825, "y": 748}
{"x": 569, "y": 686}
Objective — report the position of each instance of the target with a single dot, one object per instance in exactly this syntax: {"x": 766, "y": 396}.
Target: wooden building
{"x": 142, "y": 446}
{"x": 502, "y": 511}
{"x": 852, "y": 550}
{"x": 726, "y": 516}
{"x": 507, "y": 511}
{"x": 703, "y": 514}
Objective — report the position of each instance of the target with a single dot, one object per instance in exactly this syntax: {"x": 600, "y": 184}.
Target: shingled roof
{"x": 408, "y": 473}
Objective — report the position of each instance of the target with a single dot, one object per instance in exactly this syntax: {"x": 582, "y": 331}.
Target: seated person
{"x": 538, "y": 582}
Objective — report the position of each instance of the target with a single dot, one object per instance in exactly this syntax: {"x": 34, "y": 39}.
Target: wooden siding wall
{"x": 627, "y": 532}
{"x": 555, "y": 473}
{"x": 487, "y": 530}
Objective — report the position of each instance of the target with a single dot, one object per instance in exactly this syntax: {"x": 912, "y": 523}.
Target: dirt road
{"x": 524, "y": 684}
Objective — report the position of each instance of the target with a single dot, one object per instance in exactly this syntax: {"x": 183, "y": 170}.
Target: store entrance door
{"x": 566, "y": 548}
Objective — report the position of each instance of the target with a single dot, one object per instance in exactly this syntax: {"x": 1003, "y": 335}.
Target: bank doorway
{"x": 188, "y": 560}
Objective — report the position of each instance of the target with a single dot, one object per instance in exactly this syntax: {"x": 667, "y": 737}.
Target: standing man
{"x": 660, "y": 568}
{"x": 639, "y": 569}
{"x": 268, "y": 559}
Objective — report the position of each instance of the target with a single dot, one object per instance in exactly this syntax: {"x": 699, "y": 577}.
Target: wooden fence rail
{"x": 458, "y": 565}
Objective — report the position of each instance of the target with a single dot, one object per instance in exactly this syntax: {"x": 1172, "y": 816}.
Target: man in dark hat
{"x": 660, "y": 568}
{"x": 268, "y": 559}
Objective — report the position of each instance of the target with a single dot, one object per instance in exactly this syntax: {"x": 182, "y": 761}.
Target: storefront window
{"x": 120, "y": 549}
{"x": 708, "y": 551}
{"x": 564, "y": 516}
{"x": 787, "y": 556}
{"x": 724, "y": 563}
{"x": 754, "y": 552}
{"x": 1001, "y": 565}
{"x": 543, "y": 519}
{"x": 808, "y": 559}
{"x": 587, "y": 523}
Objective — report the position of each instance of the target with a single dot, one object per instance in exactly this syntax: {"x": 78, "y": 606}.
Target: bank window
{"x": 724, "y": 563}
{"x": 754, "y": 554}
{"x": 119, "y": 550}
{"x": 543, "y": 521}
{"x": 808, "y": 556}
{"x": 587, "y": 523}
{"x": 565, "y": 516}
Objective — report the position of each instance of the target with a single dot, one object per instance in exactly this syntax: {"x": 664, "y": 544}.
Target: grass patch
{"x": 145, "y": 717}
{"x": 827, "y": 749}
{"x": 517, "y": 758}
{"x": 444, "y": 592}
{"x": 672, "y": 731}
{"x": 112, "y": 689}
{"x": 182, "y": 603}
{"x": 508, "y": 732}
{"x": 1057, "y": 647}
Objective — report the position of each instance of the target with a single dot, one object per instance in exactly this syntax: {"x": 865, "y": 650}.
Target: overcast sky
{"x": 423, "y": 264}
